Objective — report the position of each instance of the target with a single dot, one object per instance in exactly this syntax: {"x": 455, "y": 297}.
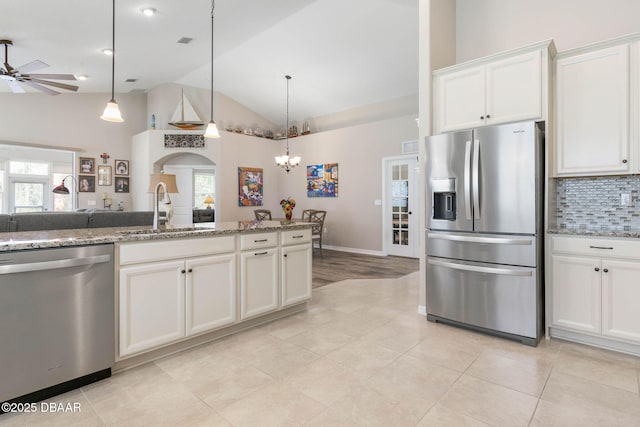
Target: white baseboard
{"x": 354, "y": 250}
{"x": 422, "y": 310}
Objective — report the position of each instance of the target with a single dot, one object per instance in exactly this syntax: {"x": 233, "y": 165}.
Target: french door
{"x": 400, "y": 210}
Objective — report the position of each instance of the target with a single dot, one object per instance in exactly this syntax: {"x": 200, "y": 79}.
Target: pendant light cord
{"x": 213, "y": 6}
{"x": 113, "y": 48}
{"x": 287, "y": 129}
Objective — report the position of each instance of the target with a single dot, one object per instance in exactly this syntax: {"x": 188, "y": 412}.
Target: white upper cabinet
{"x": 592, "y": 90}
{"x": 459, "y": 99}
{"x": 514, "y": 89}
{"x": 503, "y": 88}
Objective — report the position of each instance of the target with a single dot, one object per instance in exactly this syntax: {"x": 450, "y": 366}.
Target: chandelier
{"x": 287, "y": 162}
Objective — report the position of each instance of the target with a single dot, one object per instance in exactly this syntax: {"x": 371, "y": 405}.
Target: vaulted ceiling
{"x": 342, "y": 54}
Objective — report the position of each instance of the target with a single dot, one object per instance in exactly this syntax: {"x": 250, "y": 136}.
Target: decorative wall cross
{"x": 104, "y": 157}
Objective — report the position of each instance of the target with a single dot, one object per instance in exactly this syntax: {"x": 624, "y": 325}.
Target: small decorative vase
{"x": 288, "y": 215}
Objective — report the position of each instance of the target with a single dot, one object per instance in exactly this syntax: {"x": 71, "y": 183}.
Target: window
{"x": 29, "y": 196}
{"x": 28, "y": 168}
{"x": 27, "y": 176}
{"x": 203, "y": 186}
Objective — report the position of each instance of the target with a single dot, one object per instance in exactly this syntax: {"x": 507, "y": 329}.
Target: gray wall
{"x": 484, "y": 27}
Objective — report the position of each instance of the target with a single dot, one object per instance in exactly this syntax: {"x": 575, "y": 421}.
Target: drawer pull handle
{"x": 260, "y": 241}
{"x": 601, "y": 247}
{"x": 298, "y": 237}
{"x": 260, "y": 253}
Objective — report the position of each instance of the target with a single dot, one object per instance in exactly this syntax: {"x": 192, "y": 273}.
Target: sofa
{"x": 37, "y": 221}
{"x": 203, "y": 215}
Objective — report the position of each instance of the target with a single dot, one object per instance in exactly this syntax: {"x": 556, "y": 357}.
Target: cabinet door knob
{"x": 606, "y": 270}
{"x": 488, "y": 116}
{"x": 191, "y": 270}
{"x": 481, "y": 117}
{"x": 596, "y": 269}
{"x": 624, "y": 160}
{"x": 285, "y": 255}
{"x": 183, "y": 271}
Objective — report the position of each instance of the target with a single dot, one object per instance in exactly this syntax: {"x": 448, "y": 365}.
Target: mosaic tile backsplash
{"x": 595, "y": 203}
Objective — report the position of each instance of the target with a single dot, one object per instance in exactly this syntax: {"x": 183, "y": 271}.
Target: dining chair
{"x": 306, "y": 215}
{"x": 262, "y": 214}
{"x": 317, "y": 218}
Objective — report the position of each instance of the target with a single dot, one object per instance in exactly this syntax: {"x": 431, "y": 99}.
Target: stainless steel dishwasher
{"x": 56, "y": 320}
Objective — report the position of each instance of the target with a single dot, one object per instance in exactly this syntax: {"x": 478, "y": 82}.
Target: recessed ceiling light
{"x": 81, "y": 77}
{"x": 148, "y": 11}
{"x": 107, "y": 51}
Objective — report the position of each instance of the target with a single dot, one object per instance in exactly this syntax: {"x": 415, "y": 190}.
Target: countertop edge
{"x": 594, "y": 233}
{"x": 46, "y": 239}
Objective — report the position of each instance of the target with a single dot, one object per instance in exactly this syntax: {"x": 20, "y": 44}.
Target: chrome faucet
{"x": 166, "y": 200}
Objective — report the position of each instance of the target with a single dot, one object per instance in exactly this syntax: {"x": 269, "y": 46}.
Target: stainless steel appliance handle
{"x": 475, "y": 179}
{"x": 52, "y": 265}
{"x": 467, "y": 180}
{"x": 478, "y": 269}
{"x": 475, "y": 239}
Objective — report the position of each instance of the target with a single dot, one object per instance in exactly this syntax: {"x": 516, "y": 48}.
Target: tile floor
{"x": 361, "y": 356}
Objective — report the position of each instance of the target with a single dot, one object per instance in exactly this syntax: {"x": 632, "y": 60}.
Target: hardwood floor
{"x": 335, "y": 266}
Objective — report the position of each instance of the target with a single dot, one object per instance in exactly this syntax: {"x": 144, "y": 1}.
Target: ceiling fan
{"x": 16, "y": 75}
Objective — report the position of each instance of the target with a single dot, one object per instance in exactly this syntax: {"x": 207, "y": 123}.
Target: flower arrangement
{"x": 287, "y": 206}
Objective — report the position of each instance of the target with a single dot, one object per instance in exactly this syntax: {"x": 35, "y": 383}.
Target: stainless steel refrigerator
{"x": 485, "y": 198}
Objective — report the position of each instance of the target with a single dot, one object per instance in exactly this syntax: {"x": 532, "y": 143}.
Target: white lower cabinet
{"x": 216, "y": 283}
{"x": 576, "y": 293}
{"x": 295, "y": 266}
{"x": 296, "y": 274}
{"x": 151, "y": 305}
{"x": 163, "y": 299}
{"x": 210, "y": 293}
{"x": 620, "y": 297}
{"x": 596, "y": 288}
{"x": 258, "y": 282}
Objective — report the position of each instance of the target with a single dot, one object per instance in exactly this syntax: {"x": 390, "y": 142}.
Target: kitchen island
{"x": 177, "y": 287}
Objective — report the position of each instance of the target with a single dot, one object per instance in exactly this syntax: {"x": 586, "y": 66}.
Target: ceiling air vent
{"x": 184, "y": 40}
{"x": 410, "y": 147}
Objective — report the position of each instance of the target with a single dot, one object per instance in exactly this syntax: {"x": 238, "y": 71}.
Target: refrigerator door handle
{"x": 474, "y": 239}
{"x": 476, "y": 179}
{"x": 467, "y": 180}
{"x": 478, "y": 269}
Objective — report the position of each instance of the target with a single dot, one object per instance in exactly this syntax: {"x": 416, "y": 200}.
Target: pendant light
{"x": 287, "y": 162}
{"x": 112, "y": 111}
{"x": 212, "y": 129}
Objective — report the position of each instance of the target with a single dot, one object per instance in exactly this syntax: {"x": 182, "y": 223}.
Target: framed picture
{"x": 86, "y": 183}
{"x": 122, "y": 167}
{"x": 249, "y": 186}
{"x": 104, "y": 175}
{"x": 87, "y": 165}
{"x": 122, "y": 185}
{"x": 322, "y": 180}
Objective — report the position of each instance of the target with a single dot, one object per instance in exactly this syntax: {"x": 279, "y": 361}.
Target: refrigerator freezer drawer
{"x": 497, "y": 249}
{"x": 504, "y": 299}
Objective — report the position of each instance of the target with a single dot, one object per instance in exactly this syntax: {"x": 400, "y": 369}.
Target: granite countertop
{"x": 13, "y": 241}
{"x": 597, "y": 233}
